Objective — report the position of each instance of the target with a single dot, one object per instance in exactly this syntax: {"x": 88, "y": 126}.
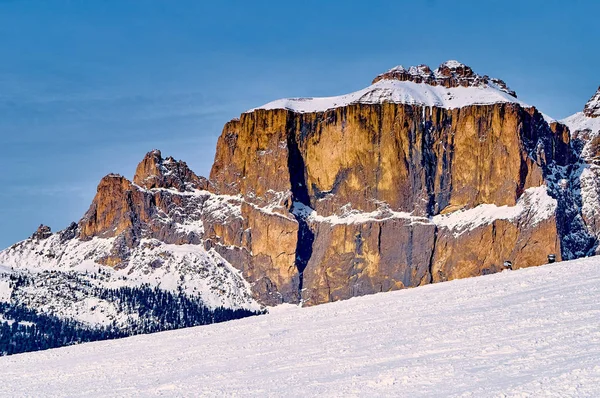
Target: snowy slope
{"x": 400, "y": 92}
{"x": 67, "y": 272}
{"x": 531, "y": 332}
{"x": 67, "y": 288}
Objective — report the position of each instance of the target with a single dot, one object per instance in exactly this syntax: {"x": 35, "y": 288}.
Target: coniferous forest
{"x": 23, "y": 329}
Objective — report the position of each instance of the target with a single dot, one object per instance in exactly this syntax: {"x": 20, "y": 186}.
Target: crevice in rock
{"x": 296, "y": 169}
{"x": 429, "y": 162}
{"x": 433, "y": 248}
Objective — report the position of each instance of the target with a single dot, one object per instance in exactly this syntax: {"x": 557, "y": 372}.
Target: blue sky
{"x": 88, "y": 87}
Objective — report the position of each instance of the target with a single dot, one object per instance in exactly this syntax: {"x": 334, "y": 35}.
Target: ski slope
{"x": 530, "y": 332}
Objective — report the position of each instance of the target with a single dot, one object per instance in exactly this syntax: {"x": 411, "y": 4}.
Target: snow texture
{"x": 401, "y": 92}
{"x": 530, "y": 332}
{"x": 592, "y": 107}
{"x": 535, "y": 205}
{"x": 580, "y": 121}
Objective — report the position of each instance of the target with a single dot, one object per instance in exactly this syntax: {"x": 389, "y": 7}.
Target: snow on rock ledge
{"x": 535, "y": 204}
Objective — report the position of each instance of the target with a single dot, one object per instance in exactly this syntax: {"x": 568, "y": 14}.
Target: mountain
{"x": 422, "y": 177}
{"x": 531, "y": 332}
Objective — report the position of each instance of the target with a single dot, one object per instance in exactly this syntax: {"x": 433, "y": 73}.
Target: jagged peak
{"x": 42, "y": 232}
{"x": 449, "y": 74}
{"x": 154, "y": 171}
{"x": 592, "y": 107}
{"x": 453, "y": 64}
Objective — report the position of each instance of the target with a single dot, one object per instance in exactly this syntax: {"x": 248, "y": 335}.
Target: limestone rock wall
{"x": 419, "y": 160}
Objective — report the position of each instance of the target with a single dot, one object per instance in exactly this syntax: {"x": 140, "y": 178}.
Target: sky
{"x": 88, "y": 87}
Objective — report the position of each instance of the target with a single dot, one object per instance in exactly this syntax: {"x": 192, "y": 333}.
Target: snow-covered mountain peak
{"x": 592, "y": 107}
{"x": 449, "y": 74}
{"x": 452, "y": 85}
{"x": 452, "y": 63}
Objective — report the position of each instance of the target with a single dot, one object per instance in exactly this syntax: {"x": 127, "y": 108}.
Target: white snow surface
{"x": 401, "y": 92}
{"x": 207, "y": 274}
{"x": 530, "y": 332}
{"x": 580, "y": 121}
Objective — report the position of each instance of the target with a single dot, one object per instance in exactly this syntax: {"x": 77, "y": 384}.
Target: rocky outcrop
{"x": 156, "y": 204}
{"x": 592, "y": 107}
{"x": 156, "y": 172}
{"x": 43, "y": 232}
{"x": 449, "y": 74}
{"x": 419, "y": 160}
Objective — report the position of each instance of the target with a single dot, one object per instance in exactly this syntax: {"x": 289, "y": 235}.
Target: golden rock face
{"x": 414, "y": 159}
{"x": 113, "y": 210}
{"x": 422, "y": 161}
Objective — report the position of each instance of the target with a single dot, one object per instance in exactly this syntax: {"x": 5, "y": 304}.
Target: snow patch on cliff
{"x": 585, "y": 133}
{"x": 534, "y": 206}
{"x": 580, "y": 121}
{"x": 353, "y": 216}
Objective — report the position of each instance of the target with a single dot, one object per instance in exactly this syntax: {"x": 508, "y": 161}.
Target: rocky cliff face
{"x": 367, "y": 182}
{"x": 585, "y": 133}
{"x": 422, "y": 177}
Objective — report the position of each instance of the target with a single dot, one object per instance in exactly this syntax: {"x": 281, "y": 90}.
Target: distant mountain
{"x": 424, "y": 176}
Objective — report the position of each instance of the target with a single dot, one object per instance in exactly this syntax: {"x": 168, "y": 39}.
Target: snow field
{"x": 530, "y": 332}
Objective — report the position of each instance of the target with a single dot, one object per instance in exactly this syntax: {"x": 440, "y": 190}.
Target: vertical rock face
{"x": 412, "y": 159}
{"x": 415, "y": 159}
{"x": 362, "y": 258}
{"x": 373, "y": 184}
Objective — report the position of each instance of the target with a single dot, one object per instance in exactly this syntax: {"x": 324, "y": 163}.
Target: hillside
{"x": 533, "y": 331}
